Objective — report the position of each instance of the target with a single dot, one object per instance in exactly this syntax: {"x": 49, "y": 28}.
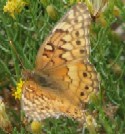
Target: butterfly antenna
{"x": 17, "y": 55}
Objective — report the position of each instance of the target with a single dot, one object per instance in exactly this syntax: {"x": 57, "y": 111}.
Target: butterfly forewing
{"x": 68, "y": 41}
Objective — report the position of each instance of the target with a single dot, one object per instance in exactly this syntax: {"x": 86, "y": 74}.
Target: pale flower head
{"x": 4, "y": 119}
{"x": 91, "y": 124}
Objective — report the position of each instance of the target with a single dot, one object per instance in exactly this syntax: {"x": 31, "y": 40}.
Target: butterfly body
{"x": 64, "y": 78}
{"x": 42, "y": 101}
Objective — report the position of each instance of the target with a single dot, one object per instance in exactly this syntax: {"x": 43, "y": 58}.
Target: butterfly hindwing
{"x": 41, "y": 103}
{"x": 78, "y": 80}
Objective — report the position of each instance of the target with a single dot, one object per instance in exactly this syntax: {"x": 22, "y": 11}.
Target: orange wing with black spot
{"x": 65, "y": 54}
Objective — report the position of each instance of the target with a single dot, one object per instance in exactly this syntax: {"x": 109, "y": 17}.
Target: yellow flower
{"x": 18, "y": 92}
{"x": 14, "y": 6}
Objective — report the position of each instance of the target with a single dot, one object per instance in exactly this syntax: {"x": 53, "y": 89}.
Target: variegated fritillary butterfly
{"x": 63, "y": 78}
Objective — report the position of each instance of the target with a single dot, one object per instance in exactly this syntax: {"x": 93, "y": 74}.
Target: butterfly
{"x": 64, "y": 78}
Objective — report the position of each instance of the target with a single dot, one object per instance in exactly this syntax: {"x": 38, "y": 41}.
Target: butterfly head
{"x": 27, "y": 74}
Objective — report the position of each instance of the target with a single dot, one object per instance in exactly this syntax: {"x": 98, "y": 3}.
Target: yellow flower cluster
{"x": 14, "y": 6}
{"x": 18, "y": 92}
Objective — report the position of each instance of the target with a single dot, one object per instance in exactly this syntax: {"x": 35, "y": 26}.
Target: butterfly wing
{"x": 68, "y": 41}
{"x": 64, "y": 76}
{"x": 64, "y": 56}
{"x": 40, "y": 103}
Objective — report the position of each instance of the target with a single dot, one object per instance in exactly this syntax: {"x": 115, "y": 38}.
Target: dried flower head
{"x": 5, "y": 123}
{"x": 91, "y": 124}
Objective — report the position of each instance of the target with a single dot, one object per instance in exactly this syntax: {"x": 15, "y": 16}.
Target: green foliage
{"x": 21, "y": 37}
{"x": 62, "y": 126}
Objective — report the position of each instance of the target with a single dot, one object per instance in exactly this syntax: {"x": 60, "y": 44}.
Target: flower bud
{"x": 36, "y": 127}
{"x": 52, "y": 12}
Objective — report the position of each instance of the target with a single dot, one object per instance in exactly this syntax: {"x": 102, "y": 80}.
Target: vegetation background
{"x": 23, "y": 27}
